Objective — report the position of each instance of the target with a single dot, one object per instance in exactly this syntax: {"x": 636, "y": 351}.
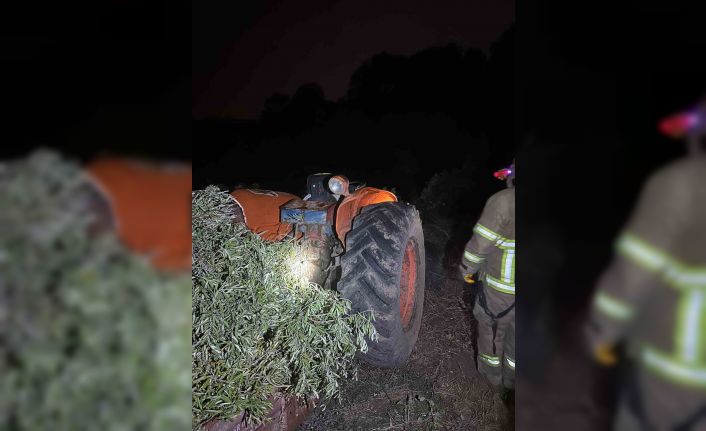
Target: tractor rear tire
{"x": 383, "y": 272}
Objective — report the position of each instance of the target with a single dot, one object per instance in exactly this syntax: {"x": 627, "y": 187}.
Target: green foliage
{"x": 444, "y": 191}
{"x": 91, "y": 337}
{"x": 258, "y": 327}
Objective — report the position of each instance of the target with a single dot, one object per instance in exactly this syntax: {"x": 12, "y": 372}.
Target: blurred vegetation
{"x": 91, "y": 337}
{"x": 258, "y": 326}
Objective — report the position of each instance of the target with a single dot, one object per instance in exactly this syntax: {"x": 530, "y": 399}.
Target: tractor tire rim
{"x": 408, "y": 284}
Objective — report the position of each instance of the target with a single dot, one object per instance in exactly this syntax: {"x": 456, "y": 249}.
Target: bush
{"x": 91, "y": 337}
{"x": 445, "y": 191}
{"x": 258, "y": 326}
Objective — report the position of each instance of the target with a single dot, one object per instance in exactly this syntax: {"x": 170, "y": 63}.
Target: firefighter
{"x": 652, "y": 298}
{"x": 491, "y": 253}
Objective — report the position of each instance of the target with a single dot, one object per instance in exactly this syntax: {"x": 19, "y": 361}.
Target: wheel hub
{"x": 408, "y": 283}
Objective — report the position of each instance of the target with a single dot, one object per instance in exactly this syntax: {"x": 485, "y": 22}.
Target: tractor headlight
{"x": 338, "y": 185}
{"x": 301, "y": 269}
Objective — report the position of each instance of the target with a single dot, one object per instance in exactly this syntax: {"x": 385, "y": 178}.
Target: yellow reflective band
{"x": 675, "y": 273}
{"x": 641, "y": 253}
{"x": 499, "y": 285}
{"x": 507, "y": 244}
{"x": 473, "y": 257}
{"x": 612, "y": 307}
{"x": 493, "y": 361}
{"x": 485, "y": 232}
{"x": 688, "y": 339}
{"x": 681, "y": 277}
{"x": 510, "y": 362}
{"x": 507, "y": 271}
{"x": 499, "y": 240}
{"x": 673, "y": 369}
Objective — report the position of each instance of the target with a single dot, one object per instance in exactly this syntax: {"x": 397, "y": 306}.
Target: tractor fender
{"x": 356, "y": 201}
{"x": 260, "y": 209}
{"x": 150, "y": 205}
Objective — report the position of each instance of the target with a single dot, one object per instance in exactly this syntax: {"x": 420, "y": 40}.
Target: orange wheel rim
{"x": 408, "y": 284}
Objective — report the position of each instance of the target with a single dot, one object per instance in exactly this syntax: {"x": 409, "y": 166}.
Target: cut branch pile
{"x": 91, "y": 337}
{"x": 258, "y": 327}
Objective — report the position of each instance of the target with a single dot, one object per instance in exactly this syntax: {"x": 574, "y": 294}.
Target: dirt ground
{"x": 569, "y": 392}
{"x": 438, "y": 389}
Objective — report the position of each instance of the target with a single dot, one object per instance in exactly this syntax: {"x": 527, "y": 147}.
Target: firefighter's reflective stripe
{"x": 510, "y": 362}
{"x": 506, "y": 283}
{"x": 499, "y": 240}
{"x": 493, "y": 361}
{"x": 486, "y": 233}
{"x": 641, "y": 253}
{"x": 674, "y": 369}
{"x": 612, "y": 307}
{"x": 507, "y": 244}
{"x": 685, "y": 278}
{"x": 499, "y": 285}
{"x": 675, "y": 273}
{"x": 687, "y": 365}
{"x": 473, "y": 257}
{"x": 507, "y": 271}
{"x": 690, "y": 326}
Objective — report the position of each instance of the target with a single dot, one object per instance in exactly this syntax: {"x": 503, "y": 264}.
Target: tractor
{"x": 358, "y": 240}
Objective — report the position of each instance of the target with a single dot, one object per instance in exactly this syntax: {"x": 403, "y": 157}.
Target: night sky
{"x": 385, "y": 92}
{"x": 241, "y": 56}
{"x": 94, "y": 77}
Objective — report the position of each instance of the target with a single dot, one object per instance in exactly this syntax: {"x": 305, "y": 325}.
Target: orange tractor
{"x": 148, "y": 204}
{"x": 358, "y": 240}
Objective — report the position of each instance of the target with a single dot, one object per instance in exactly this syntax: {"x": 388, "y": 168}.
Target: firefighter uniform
{"x": 491, "y": 251}
{"x": 653, "y": 296}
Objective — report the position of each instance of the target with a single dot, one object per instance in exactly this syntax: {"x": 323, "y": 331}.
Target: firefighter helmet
{"x": 689, "y": 125}
{"x": 507, "y": 174}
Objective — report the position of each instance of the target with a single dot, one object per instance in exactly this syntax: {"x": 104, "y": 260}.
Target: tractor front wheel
{"x": 383, "y": 272}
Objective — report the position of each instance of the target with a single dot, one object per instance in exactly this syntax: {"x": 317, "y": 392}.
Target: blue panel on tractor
{"x": 306, "y": 212}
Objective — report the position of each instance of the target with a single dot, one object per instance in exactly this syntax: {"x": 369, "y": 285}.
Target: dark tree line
{"x": 402, "y": 119}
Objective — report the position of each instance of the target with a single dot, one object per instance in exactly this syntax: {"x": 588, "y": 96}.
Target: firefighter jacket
{"x": 491, "y": 249}
{"x": 653, "y": 295}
